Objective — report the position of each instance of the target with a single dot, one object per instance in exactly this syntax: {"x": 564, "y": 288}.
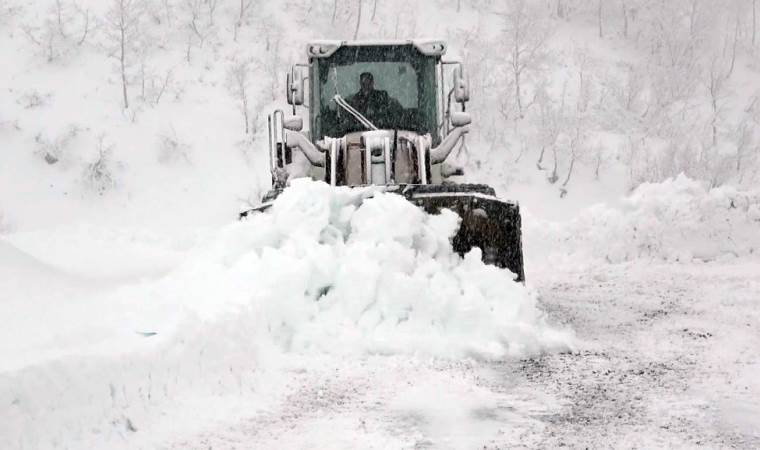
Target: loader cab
{"x": 403, "y": 80}
{"x": 378, "y": 113}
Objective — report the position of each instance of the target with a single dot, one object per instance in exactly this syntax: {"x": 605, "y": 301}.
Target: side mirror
{"x": 293, "y": 123}
{"x": 461, "y": 87}
{"x": 295, "y": 86}
{"x": 458, "y": 119}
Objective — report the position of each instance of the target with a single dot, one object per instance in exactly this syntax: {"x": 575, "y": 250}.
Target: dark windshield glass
{"x": 393, "y": 87}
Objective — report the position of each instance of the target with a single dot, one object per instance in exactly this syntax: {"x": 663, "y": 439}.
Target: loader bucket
{"x": 491, "y": 224}
{"x": 488, "y": 223}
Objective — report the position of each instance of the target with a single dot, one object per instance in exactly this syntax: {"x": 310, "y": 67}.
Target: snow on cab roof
{"x": 325, "y": 48}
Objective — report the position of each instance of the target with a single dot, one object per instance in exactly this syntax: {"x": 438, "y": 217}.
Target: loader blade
{"x": 488, "y": 223}
{"x": 491, "y": 224}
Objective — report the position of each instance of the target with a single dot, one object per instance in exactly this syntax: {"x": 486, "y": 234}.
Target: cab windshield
{"x": 392, "y": 86}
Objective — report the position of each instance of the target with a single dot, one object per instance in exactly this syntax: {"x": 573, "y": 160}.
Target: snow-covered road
{"x": 670, "y": 358}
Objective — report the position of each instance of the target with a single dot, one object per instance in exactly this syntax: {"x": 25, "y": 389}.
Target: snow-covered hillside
{"x": 139, "y": 313}
{"x": 669, "y": 87}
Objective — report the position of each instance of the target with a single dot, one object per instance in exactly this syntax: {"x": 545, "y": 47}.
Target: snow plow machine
{"x": 380, "y": 113}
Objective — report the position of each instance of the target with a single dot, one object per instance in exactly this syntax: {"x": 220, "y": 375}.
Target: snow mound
{"x": 341, "y": 270}
{"x": 676, "y": 220}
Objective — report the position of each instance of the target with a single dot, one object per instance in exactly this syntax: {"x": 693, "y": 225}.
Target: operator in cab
{"x": 380, "y": 108}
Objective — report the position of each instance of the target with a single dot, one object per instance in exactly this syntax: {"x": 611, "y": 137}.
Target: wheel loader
{"x": 380, "y": 113}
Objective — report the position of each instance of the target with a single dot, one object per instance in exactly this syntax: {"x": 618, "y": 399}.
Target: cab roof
{"x": 325, "y": 48}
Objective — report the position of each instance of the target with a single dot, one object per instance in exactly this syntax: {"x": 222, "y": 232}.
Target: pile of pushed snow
{"x": 324, "y": 272}
{"x": 353, "y": 271}
{"x": 676, "y": 220}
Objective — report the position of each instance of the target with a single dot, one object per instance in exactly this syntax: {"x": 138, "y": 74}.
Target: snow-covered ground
{"x": 341, "y": 318}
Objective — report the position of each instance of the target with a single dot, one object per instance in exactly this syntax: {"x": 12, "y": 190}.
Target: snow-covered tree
{"x": 238, "y": 83}
{"x": 242, "y": 16}
{"x": 124, "y": 35}
{"x": 64, "y": 28}
{"x": 525, "y": 36}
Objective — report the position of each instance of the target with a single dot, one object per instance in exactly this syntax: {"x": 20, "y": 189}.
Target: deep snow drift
{"x": 325, "y": 272}
{"x": 676, "y": 220}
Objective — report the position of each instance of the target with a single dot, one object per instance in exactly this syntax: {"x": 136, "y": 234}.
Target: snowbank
{"x": 676, "y": 220}
{"x": 344, "y": 272}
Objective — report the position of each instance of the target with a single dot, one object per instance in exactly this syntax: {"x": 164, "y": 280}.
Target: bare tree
{"x": 211, "y": 6}
{"x": 124, "y": 25}
{"x": 85, "y": 15}
{"x": 238, "y": 80}
{"x": 168, "y": 11}
{"x": 243, "y": 12}
{"x": 274, "y": 66}
{"x": 576, "y": 146}
{"x": 582, "y": 61}
{"x": 674, "y": 64}
{"x": 634, "y": 85}
{"x": 715, "y": 86}
{"x": 694, "y": 15}
{"x": 526, "y": 36}
{"x": 599, "y": 159}
{"x": 64, "y": 28}
{"x": 200, "y": 22}
{"x": 599, "y": 18}
{"x": 98, "y": 175}
{"x": 552, "y": 117}
{"x": 754, "y": 22}
{"x": 734, "y": 45}
{"x": 153, "y": 86}
{"x": 549, "y": 129}
{"x": 194, "y": 25}
{"x": 358, "y": 18}
{"x": 45, "y": 38}
{"x": 160, "y": 89}
{"x": 745, "y": 135}
{"x": 624, "y": 8}
{"x": 59, "y": 16}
